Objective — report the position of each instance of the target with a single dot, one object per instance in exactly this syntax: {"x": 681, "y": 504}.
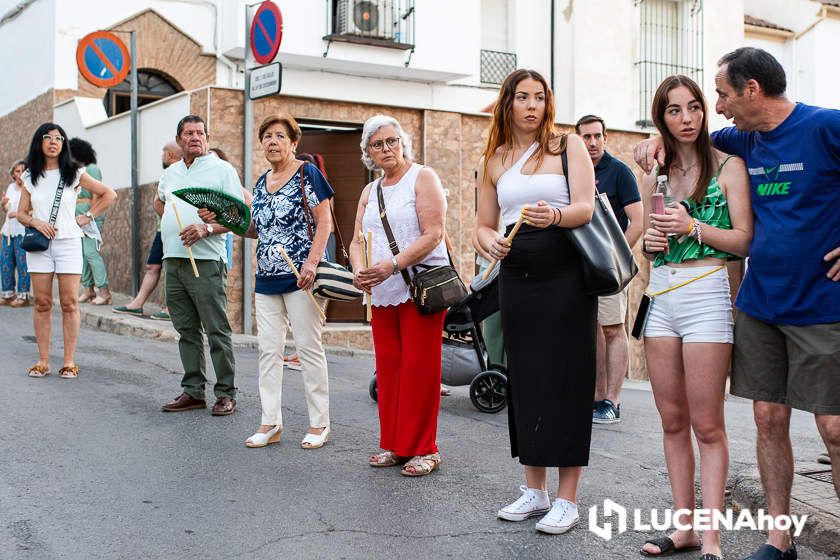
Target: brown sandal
{"x": 39, "y": 370}
{"x": 386, "y": 459}
{"x": 421, "y": 465}
{"x": 69, "y": 372}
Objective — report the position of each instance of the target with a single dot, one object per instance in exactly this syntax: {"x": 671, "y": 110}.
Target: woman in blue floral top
{"x": 291, "y": 209}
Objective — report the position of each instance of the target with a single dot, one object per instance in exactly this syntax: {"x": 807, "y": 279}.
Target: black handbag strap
{"x": 306, "y": 214}
{"x": 57, "y": 201}
{"x": 392, "y": 243}
{"x": 564, "y": 159}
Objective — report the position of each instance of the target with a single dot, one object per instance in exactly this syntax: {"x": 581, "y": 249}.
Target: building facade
{"x": 435, "y": 65}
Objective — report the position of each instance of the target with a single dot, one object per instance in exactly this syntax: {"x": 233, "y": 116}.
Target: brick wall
{"x": 16, "y": 129}
{"x": 116, "y": 239}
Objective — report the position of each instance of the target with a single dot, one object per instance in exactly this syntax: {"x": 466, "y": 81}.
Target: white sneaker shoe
{"x": 532, "y": 502}
{"x": 562, "y": 517}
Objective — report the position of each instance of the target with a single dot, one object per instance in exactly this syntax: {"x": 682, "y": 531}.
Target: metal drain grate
{"x": 822, "y": 476}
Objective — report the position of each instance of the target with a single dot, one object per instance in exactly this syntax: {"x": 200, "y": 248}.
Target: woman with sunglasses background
{"x": 50, "y": 168}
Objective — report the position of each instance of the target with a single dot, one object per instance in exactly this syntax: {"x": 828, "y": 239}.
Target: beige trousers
{"x": 274, "y": 314}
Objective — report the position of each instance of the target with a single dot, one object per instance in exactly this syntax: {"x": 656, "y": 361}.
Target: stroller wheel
{"x": 372, "y": 388}
{"x": 488, "y": 391}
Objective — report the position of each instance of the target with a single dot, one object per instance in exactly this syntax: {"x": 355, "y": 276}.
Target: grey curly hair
{"x": 371, "y": 126}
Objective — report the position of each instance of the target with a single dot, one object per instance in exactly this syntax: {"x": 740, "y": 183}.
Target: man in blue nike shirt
{"x": 787, "y": 332}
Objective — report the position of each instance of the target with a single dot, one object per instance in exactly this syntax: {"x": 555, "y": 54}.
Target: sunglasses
{"x": 379, "y": 144}
{"x": 48, "y": 138}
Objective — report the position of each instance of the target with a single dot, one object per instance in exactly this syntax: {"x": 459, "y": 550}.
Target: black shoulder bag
{"x": 608, "y": 264}
{"x": 433, "y": 288}
{"x": 33, "y": 240}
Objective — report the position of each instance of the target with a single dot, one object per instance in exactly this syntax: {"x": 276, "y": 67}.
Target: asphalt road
{"x": 91, "y": 469}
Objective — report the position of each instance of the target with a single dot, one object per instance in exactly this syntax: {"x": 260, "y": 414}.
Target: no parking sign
{"x": 103, "y": 59}
{"x": 266, "y": 32}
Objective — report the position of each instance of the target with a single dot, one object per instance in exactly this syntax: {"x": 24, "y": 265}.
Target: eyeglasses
{"x": 379, "y": 144}
{"x": 48, "y": 138}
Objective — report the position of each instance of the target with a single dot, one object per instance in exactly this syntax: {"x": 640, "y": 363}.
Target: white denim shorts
{"x": 63, "y": 256}
{"x": 697, "y": 312}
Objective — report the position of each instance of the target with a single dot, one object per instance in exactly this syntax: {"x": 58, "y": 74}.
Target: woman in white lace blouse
{"x": 407, "y": 343}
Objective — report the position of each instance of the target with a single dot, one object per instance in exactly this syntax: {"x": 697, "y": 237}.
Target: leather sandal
{"x": 99, "y": 300}
{"x": 314, "y": 441}
{"x": 421, "y": 465}
{"x": 666, "y": 547}
{"x": 86, "y": 297}
{"x": 262, "y": 439}
{"x": 69, "y": 372}
{"x": 39, "y": 370}
{"x": 386, "y": 459}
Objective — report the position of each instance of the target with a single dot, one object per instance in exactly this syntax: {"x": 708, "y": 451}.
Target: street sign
{"x": 103, "y": 59}
{"x": 265, "y": 80}
{"x": 266, "y": 32}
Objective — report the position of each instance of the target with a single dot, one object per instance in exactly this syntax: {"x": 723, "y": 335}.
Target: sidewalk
{"x": 102, "y": 317}
{"x": 812, "y": 495}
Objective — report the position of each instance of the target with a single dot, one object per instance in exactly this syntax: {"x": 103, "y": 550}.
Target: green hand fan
{"x": 230, "y": 212}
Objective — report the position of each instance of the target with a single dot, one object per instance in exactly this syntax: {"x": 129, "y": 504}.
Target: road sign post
{"x": 104, "y": 61}
{"x": 262, "y": 34}
{"x": 135, "y": 187}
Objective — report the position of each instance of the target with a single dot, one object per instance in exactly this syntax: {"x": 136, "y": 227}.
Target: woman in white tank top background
{"x": 407, "y": 343}
{"x": 547, "y": 319}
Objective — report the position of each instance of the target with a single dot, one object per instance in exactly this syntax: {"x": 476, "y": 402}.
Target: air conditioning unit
{"x": 365, "y": 18}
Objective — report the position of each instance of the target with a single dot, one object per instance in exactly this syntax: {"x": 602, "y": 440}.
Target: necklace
{"x": 687, "y": 169}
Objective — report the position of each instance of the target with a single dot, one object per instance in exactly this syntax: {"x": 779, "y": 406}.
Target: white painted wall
{"x": 826, "y": 78}
{"x": 603, "y": 79}
{"x": 723, "y": 22}
{"x": 27, "y": 53}
{"x": 111, "y": 138}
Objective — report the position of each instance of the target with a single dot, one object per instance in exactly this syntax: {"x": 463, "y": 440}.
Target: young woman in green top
{"x": 688, "y": 334}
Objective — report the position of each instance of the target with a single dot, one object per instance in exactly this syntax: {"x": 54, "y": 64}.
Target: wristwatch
{"x": 89, "y": 215}
{"x": 209, "y": 229}
{"x": 396, "y": 266}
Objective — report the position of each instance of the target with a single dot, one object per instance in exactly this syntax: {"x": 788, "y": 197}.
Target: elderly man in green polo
{"x": 197, "y": 302}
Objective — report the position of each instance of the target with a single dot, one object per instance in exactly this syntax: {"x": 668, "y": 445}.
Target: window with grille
{"x": 386, "y": 23}
{"x": 496, "y": 59}
{"x": 151, "y": 86}
{"x": 670, "y": 42}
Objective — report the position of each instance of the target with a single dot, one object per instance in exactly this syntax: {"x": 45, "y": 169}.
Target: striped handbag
{"x": 332, "y": 281}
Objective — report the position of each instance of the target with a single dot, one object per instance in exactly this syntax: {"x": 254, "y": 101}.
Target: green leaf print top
{"x": 712, "y": 210}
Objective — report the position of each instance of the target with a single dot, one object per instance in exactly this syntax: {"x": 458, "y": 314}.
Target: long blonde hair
{"x": 501, "y": 129}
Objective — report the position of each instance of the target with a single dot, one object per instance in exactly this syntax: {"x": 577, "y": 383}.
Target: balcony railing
{"x": 496, "y": 65}
{"x": 382, "y": 23}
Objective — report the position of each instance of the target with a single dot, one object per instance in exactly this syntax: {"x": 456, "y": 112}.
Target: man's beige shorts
{"x": 612, "y": 310}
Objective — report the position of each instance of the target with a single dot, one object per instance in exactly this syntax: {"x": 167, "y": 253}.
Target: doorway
{"x": 338, "y": 144}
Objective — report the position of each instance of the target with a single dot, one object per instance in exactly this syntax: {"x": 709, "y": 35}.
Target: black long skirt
{"x": 549, "y": 336}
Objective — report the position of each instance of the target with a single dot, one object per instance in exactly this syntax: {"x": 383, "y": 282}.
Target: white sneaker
{"x": 562, "y": 517}
{"x": 532, "y": 502}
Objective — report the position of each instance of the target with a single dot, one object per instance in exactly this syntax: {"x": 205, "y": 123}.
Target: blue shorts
{"x": 156, "y": 251}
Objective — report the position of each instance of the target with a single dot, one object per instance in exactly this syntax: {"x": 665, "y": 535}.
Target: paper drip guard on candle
{"x": 171, "y": 200}
{"x": 508, "y": 241}
{"x": 285, "y": 256}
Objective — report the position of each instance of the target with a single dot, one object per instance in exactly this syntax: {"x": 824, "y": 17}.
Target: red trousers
{"x": 408, "y": 347}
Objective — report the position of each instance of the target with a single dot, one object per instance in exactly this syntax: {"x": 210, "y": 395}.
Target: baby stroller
{"x": 464, "y": 358}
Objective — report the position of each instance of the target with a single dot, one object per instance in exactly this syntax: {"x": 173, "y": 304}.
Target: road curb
{"x": 163, "y": 331}
{"x": 822, "y": 529}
